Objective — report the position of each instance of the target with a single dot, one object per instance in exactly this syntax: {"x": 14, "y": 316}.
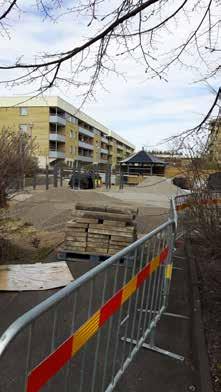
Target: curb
{"x": 200, "y": 352}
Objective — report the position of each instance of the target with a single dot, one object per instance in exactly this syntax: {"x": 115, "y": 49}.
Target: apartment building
{"x": 214, "y": 140}
{"x": 62, "y": 132}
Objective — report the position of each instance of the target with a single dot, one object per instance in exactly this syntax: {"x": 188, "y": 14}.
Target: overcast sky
{"x": 142, "y": 110}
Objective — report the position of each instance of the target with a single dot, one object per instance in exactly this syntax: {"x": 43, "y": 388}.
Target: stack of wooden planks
{"x": 100, "y": 229}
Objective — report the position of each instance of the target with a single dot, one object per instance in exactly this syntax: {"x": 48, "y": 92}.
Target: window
{"x": 71, "y": 149}
{"x": 23, "y": 128}
{"x": 71, "y": 135}
{"x": 23, "y": 111}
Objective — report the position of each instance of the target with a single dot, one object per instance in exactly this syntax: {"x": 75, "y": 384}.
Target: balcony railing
{"x": 104, "y": 151}
{"x": 86, "y": 145}
{"x": 86, "y": 132}
{"x": 84, "y": 158}
{"x": 56, "y": 154}
{"x": 104, "y": 161}
{"x": 104, "y": 140}
{"x": 55, "y": 119}
{"x": 55, "y": 137}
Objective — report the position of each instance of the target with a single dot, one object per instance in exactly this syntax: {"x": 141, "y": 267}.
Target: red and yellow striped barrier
{"x": 43, "y": 372}
{"x": 203, "y": 202}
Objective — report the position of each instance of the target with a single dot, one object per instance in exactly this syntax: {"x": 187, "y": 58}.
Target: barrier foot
{"x": 156, "y": 349}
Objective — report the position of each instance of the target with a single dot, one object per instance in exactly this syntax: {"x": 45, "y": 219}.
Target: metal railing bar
{"x": 118, "y": 375}
{"x": 44, "y": 306}
{"x": 142, "y": 303}
{"x": 128, "y": 309}
{"x": 71, "y": 331}
{"x": 126, "y": 260}
{"x": 93, "y": 384}
{"x": 136, "y": 297}
{"x": 109, "y": 333}
{"x": 86, "y": 346}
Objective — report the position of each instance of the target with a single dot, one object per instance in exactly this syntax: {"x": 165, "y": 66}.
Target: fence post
{"x": 73, "y": 176}
{"x": 109, "y": 177}
{"x": 121, "y": 184}
{"x": 79, "y": 175}
{"x": 61, "y": 176}
{"x": 34, "y": 181}
{"x": 106, "y": 176}
{"x": 46, "y": 178}
{"x": 55, "y": 176}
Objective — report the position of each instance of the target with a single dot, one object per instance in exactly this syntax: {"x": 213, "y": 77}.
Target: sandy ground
{"x": 152, "y": 192}
{"x": 49, "y": 210}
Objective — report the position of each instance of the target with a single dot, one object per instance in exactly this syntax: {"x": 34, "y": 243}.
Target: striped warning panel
{"x": 203, "y": 202}
{"x": 43, "y": 372}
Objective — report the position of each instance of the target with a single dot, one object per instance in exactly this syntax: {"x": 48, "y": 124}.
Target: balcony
{"x": 55, "y": 119}
{"x": 84, "y": 158}
{"x": 104, "y": 161}
{"x": 104, "y": 151}
{"x": 119, "y": 147}
{"x": 56, "y": 137}
{"x": 86, "y": 132}
{"x": 104, "y": 140}
{"x": 56, "y": 154}
{"x": 85, "y": 145}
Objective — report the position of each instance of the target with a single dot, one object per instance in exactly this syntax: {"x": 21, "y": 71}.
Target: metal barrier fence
{"x": 84, "y": 337}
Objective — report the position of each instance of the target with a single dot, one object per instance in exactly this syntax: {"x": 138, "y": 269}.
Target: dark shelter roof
{"x": 143, "y": 157}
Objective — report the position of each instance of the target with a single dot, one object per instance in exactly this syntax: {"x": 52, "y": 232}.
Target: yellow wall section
{"x": 97, "y": 146}
{"x": 37, "y": 120}
{"x": 71, "y": 142}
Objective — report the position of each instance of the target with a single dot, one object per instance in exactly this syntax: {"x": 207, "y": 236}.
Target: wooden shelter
{"x": 143, "y": 163}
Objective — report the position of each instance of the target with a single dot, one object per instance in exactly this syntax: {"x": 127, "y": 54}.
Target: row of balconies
{"x": 61, "y": 121}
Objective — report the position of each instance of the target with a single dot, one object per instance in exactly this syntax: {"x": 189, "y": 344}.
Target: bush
{"x": 16, "y": 159}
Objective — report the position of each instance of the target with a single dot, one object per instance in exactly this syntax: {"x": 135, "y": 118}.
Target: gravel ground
{"x": 152, "y": 192}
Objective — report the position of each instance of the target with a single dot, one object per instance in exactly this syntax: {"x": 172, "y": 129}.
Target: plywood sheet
{"x": 38, "y": 276}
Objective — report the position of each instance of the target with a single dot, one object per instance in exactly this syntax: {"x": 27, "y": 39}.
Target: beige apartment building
{"x": 214, "y": 141}
{"x": 62, "y": 132}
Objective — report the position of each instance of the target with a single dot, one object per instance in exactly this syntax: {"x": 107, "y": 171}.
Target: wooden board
{"x": 75, "y": 243}
{"x": 116, "y": 244}
{"x": 122, "y": 237}
{"x": 75, "y": 248}
{"x": 104, "y": 216}
{"x": 86, "y": 220}
{"x": 122, "y": 209}
{"x": 102, "y": 250}
{"x": 75, "y": 224}
{"x": 114, "y": 223}
{"x": 76, "y": 231}
{"x": 79, "y": 239}
{"x": 109, "y": 232}
{"x": 98, "y": 236}
{"x": 126, "y": 230}
{"x": 38, "y": 276}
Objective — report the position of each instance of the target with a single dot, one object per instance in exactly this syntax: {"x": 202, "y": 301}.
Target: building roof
{"x": 27, "y": 101}
{"x": 143, "y": 157}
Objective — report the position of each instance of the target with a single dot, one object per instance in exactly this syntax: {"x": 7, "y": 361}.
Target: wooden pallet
{"x": 68, "y": 255}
